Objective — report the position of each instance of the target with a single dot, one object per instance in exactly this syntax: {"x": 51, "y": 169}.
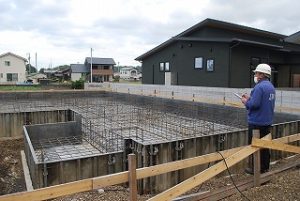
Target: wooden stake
{"x": 256, "y": 161}
{"x": 132, "y": 177}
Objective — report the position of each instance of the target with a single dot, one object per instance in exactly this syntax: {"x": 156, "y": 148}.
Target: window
{"x": 161, "y": 66}
{"x": 198, "y": 63}
{"x": 167, "y": 66}
{"x": 210, "y": 65}
{"x": 1, "y": 75}
{"x": 7, "y": 63}
{"x": 12, "y": 77}
{"x": 164, "y": 66}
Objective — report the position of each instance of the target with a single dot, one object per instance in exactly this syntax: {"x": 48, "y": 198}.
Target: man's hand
{"x": 245, "y": 98}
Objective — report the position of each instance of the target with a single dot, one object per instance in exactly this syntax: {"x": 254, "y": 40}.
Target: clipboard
{"x": 237, "y": 95}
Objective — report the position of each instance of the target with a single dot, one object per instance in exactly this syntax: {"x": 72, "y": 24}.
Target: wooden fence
{"x": 232, "y": 156}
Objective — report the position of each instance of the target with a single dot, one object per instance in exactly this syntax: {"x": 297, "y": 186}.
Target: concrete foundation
{"x": 102, "y": 129}
{"x": 11, "y": 124}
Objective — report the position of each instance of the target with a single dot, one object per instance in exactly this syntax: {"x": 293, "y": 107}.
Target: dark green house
{"x": 220, "y": 54}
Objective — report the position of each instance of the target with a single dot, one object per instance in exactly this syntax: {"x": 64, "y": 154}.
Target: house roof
{"x": 212, "y": 23}
{"x": 127, "y": 69}
{"x": 79, "y": 68}
{"x": 100, "y": 61}
{"x": 10, "y": 53}
{"x": 294, "y": 38}
{"x": 36, "y": 75}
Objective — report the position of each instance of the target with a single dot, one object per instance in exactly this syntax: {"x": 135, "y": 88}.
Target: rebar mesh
{"x": 108, "y": 118}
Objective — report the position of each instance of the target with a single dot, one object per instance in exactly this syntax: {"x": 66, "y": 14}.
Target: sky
{"x": 64, "y": 31}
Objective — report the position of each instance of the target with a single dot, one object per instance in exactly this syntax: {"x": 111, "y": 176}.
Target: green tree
{"x": 32, "y": 69}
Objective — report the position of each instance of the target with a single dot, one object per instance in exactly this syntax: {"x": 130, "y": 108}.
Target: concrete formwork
{"x": 11, "y": 124}
{"x": 158, "y": 130}
{"x": 154, "y": 154}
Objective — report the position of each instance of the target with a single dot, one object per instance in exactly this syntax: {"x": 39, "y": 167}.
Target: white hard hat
{"x": 263, "y": 68}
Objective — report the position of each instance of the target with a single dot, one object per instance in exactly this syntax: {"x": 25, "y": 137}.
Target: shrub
{"x": 78, "y": 84}
{"x": 116, "y": 78}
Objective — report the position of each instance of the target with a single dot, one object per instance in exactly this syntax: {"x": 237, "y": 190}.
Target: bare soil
{"x": 11, "y": 171}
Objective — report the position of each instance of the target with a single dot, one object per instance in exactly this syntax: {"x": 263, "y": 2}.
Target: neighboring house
{"x": 220, "y": 54}
{"x": 12, "y": 68}
{"x": 79, "y": 71}
{"x": 36, "y": 77}
{"x": 64, "y": 74}
{"x": 129, "y": 74}
{"x": 102, "y": 69}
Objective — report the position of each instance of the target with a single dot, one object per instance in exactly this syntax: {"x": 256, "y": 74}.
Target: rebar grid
{"x": 107, "y": 119}
{"x": 63, "y": 148}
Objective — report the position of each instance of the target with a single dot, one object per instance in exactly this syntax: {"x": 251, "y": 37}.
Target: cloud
{"x": 62, "y": 32}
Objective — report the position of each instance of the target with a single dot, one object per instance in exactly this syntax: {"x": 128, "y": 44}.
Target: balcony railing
{"x": 102, "y": 72}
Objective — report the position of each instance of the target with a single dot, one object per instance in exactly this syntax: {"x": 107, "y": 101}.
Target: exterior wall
{"x": 241, "y": 74}
{"x": 75, "y": 76}
{"x": 17, "y": 65}
{"x": 232, "y": 63}
{"x": 181, "y": 56}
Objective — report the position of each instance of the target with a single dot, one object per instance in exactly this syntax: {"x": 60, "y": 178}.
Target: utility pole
{"x": 36, "y": 62}
{"x": 91, "y": 65}
{"x": 29, "y": 65}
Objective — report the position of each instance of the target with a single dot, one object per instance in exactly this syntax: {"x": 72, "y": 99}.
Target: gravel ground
{"x": 283, "y": 186}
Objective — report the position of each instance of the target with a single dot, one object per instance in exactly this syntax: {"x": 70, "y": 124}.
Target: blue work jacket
{"x": 261, "y": 104}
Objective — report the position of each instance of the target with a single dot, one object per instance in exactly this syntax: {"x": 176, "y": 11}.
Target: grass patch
{"x": 129, "y": 81}
{"x": 20, "y": 88}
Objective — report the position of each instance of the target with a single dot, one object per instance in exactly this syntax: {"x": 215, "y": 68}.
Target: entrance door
{"x": 167, "y": 78}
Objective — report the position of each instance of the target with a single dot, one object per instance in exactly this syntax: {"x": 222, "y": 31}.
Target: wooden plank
{"x": 109, "y": 180}
{"x": 132, "y": 177}
{"x": 226, "y": 191}
{"x": 181, "y": 164}
{"x": 50, "y": 192}
{"x": 27, "y": 177}
{"x": 288, "y": 139}
{"x": 275, "y": 145}
{"x": 256, "y": 161}
{"x": 205, "y": 175}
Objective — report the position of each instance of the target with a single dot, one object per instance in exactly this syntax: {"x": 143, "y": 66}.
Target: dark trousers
{"x": 264, "y": 153}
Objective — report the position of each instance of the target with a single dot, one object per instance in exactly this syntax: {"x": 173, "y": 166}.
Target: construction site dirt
{"x": 282, "y": 186}
{"x": 11, "y": 171}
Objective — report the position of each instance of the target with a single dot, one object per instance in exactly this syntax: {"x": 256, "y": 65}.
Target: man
{"x": 260, "y": 106}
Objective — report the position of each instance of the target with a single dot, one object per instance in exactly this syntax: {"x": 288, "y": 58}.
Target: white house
{"x": 129, "y": 73}
{"x": 79, "y": 71}
{"x": 12, "y": 68}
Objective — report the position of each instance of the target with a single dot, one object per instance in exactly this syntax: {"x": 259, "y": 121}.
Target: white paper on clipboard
{"x": 237, "y": 95}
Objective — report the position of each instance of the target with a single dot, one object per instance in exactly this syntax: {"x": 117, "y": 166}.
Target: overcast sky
{"x": 63, "y": 31}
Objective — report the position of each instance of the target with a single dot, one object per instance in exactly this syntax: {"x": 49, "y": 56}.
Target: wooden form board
{"x": 206, "y": 174}
{"x": 50, "y": 192}
{"x": 122, "y": 177}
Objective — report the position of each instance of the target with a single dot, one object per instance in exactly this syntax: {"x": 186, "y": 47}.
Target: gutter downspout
{"x": 230, "y": 62}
